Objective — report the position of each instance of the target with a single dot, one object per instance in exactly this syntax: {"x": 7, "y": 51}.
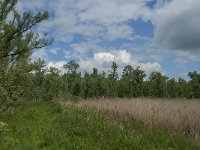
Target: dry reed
{"x": 181, "y": 116}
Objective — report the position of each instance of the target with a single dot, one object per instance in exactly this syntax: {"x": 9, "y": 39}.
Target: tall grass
{"x": 48, "y": 126}
{"x": 180, "y": 116}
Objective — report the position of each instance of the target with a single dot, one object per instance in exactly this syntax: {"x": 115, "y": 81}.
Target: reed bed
{"x": 180, "y": 116}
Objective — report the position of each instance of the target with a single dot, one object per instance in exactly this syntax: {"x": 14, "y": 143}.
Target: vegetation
{"x": 179, "y": 117}
{"x": 17, "y": 40}
{"x": 28, "y": 88}
{"x": 47, "y": 126}
{"x": 22, "y": 80}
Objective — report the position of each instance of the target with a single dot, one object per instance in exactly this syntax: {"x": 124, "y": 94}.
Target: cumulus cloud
{"x": 177, "y": 25}
{"x": 104, "y": 56}
{"x": 103, "y": 61}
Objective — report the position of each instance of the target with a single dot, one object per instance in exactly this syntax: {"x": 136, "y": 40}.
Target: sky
{"x": 157, "y": 35}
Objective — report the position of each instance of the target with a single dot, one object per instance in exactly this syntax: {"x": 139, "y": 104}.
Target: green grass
{"x": 48, "y": 126}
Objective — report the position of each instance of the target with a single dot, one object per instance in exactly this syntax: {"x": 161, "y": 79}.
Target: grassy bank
{"x": 48, "y": 126}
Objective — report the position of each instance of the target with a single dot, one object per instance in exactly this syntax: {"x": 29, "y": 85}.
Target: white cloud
{"x": 91, "y": 18}
{"x": 104, "y": 56}
{"x": 123, "y": 56}
{"x": 149, "y": 67}
{"x": 55, "y": 50}
{"x": 41, "y": 53}
{"x": 72, "y": 54}
{"x": 85, "y": 47}
{"x": 57, "y": 64}
{"x": 121, "y": 31}
{"x": 113, "y": 11}
{"x": 103, "y": 61}
{"x": 176, "y": 21}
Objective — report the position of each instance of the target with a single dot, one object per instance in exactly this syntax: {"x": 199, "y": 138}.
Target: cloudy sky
{"x": 158, "y": 35}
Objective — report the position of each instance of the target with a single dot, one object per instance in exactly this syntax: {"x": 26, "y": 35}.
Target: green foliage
{"x": 158, "y": 84}
{"x": 49, "y": 84}
{"x": 112, "y": 80}
{"x": 17, "y": 41}
{"x": 4, "y": 130}
{"x": 94, "y": 85}
{"x": 182, "y": 88}
{"x": 71, "y": 66}
{"x": 48, "y": 126}
{"x": 132, "y": 81}
{"x": 194, "y": 84}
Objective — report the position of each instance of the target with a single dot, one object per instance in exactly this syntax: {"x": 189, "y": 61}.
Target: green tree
{"x": 113, "y": 72}
{"x": 172, "y": 87}
{"x": 147, "y": 89}
{"x": 52, "y": 84}
{"x": 71, "y": 66}
{"x": 112, "y": 80}
{"x": 94, "y": 84}
{"x": 37, "y": 75}
{"x": 17, "y": 41}
{"x": 137, "y": 81}
{"x": 125, "y": 84}
{"x": 182, "y": 88}
{"x": 158, "y": 84}
{"x": 73, "y": 78}
{"x": 86, "y": 85}
{"x": 194, "y": 84}
{"x": 132, "y": 80}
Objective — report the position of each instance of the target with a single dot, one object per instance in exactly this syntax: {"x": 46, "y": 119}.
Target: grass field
{"x": 49, "y": 126}
{"x": 180, "y": 116}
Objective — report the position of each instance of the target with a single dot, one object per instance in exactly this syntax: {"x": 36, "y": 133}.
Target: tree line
{"x": 22, "y": 80}
{"x": 50, "y": 83}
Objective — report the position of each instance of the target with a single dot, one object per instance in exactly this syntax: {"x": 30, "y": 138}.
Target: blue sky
{"x": 157, "y": 35}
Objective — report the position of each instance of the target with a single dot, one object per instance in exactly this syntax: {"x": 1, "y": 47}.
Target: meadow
{"x": 53, "y": 125}
{"x": 179, "y": 116}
